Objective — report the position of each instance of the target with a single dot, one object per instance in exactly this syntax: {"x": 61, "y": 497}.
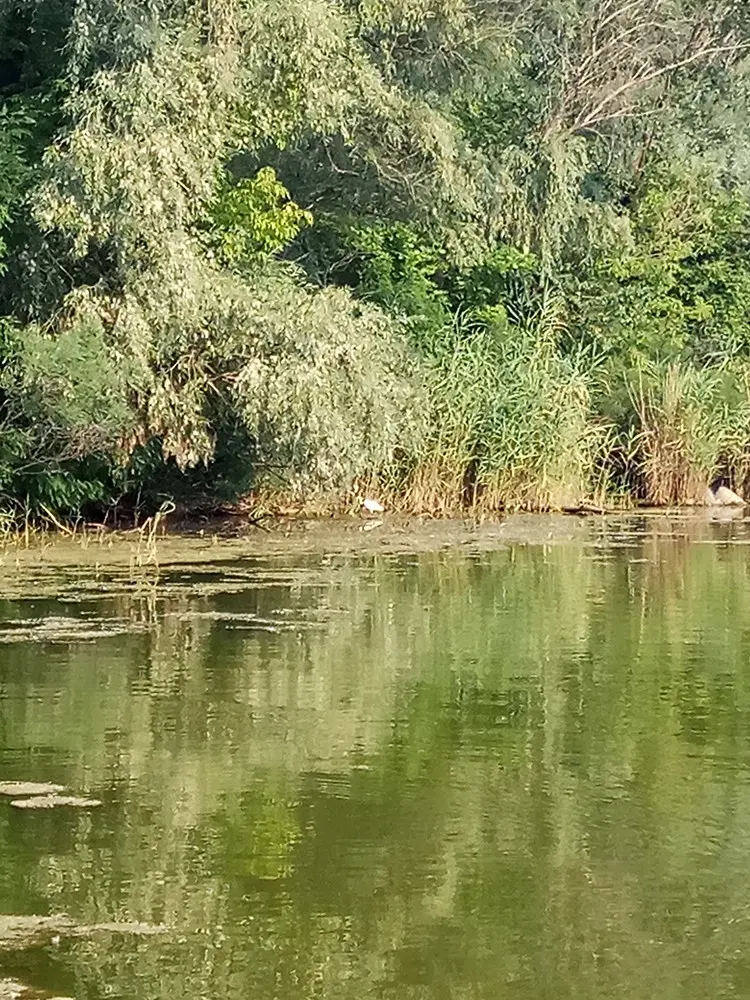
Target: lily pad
{"x": 19, "y": 932}
{"x": 10, "y": 989}
{"x": 118, "y": 927}
{"x": 53, "y": 801}
{"x": 16, "y": 788}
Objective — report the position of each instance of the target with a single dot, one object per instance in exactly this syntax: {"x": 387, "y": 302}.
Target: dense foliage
{"x": 474, "y": 252}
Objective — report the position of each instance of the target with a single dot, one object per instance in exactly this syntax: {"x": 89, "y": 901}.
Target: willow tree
{"x": 164, "y": 102}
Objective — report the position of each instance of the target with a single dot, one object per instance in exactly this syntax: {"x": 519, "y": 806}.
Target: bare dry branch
{"x": 601, "y": 113}
{"x": 611, "y": 57}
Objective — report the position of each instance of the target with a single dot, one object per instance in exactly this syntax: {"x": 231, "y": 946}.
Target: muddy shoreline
{"x": 230, "y": 538}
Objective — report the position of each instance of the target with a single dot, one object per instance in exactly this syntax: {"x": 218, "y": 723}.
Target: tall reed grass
{"x": 511, "y": 425}
{"x": 690, "y": 428}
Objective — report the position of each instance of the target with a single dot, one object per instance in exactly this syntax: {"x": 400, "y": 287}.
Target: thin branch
{"x": 597, "y": 115}
{"x": 620, "y": 12}
{"x": 619, "y": 48}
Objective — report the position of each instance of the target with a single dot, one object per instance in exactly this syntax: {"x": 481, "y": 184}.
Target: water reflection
{"x": 516, "y": 774}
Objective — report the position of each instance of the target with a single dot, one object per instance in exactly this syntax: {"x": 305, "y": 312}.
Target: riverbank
{"x": 227, "y": 539}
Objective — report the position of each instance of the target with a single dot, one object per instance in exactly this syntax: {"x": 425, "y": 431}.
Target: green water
{"x": 520, "y": 774}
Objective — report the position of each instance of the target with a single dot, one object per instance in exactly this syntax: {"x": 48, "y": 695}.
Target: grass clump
{"x": 511, "y": 425}
{"x": 689, "y": 428}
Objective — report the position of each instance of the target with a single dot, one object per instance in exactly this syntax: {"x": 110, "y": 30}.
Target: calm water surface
{"x": 522, "y": 774}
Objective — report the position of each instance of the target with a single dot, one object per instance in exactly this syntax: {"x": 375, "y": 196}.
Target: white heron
{"x": 372, "y": 506}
